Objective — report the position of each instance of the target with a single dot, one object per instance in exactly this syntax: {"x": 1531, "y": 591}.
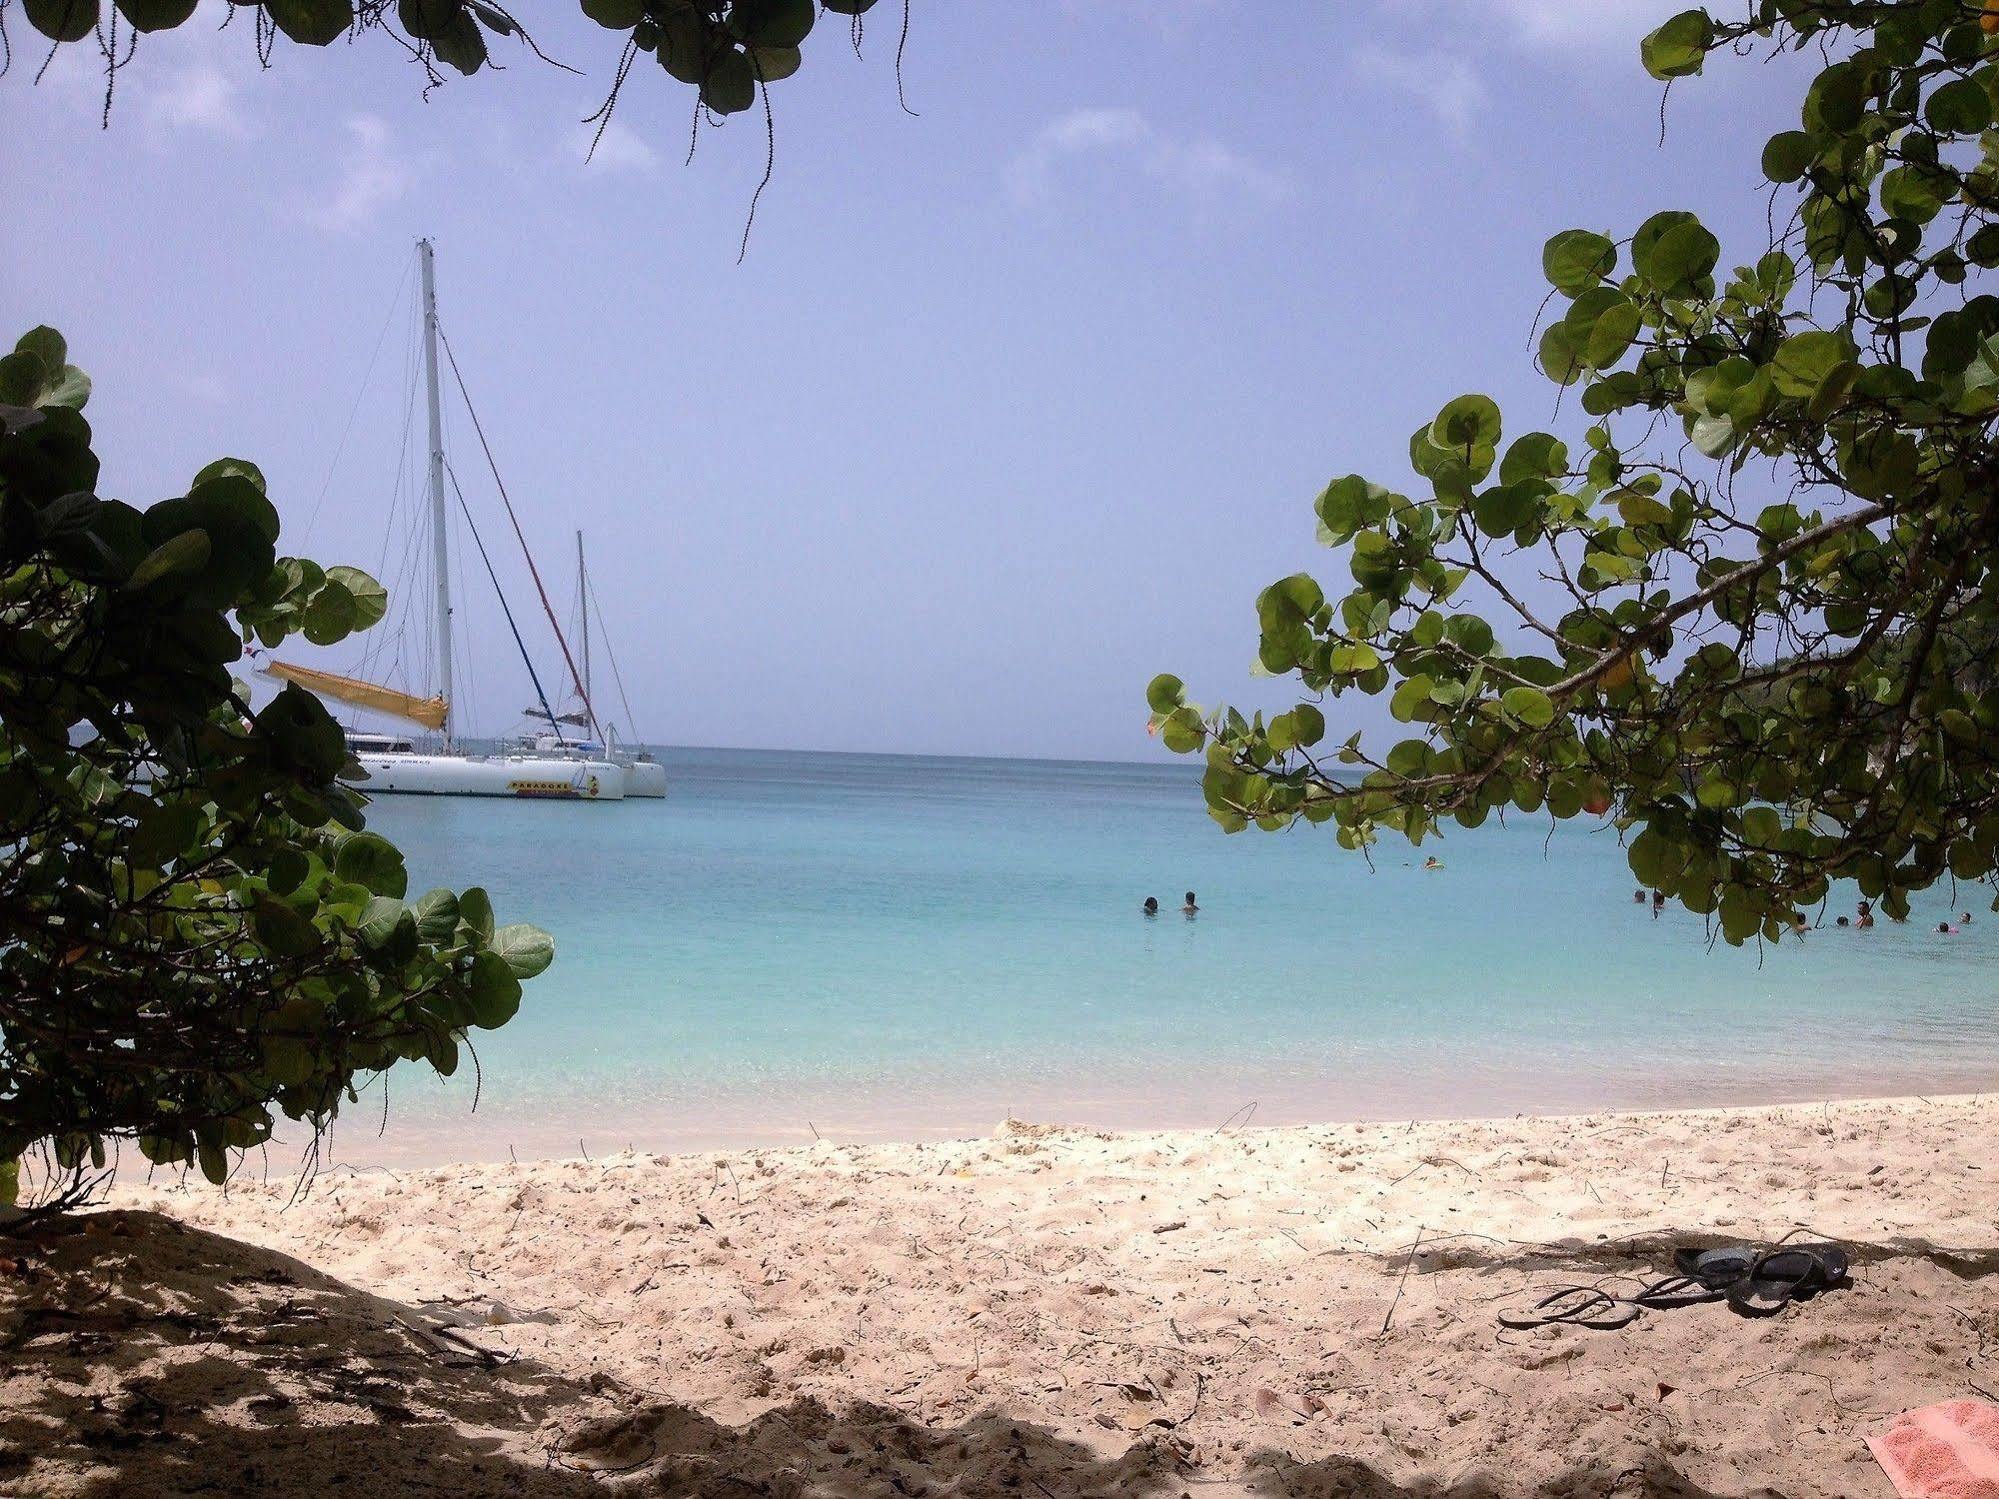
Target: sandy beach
{"x": 1294, "y": 1311}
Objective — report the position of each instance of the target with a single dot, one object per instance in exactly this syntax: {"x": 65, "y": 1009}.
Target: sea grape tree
{"x": 197, "y": 934}
{"x": 1746, "y": 606}
{"x": 726, "y": 51}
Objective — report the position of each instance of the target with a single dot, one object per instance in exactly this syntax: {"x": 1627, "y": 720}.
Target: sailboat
{"x": 431, "y": 761}
{"x": 644, "y": 776}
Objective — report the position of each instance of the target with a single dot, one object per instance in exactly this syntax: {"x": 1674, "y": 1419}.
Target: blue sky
{"x": 1010, "y": 405}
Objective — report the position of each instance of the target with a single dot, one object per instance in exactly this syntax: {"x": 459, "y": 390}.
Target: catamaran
{"x": 543, "y": 764}
{"x": 644, "y": 776}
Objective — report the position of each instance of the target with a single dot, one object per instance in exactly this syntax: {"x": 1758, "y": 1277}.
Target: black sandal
{"x": 1761, "y": 1283}
{"x": 1575, "y": 1306}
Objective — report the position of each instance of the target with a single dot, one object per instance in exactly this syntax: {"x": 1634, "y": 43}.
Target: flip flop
{"x": 1718, "y": 1268}
{"x": 1575, "y": 1306}
{"x": 1676, "y": 1291}
{"x": 1787, "y": 1273}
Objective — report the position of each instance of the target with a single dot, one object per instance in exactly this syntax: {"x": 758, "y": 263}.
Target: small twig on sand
{"x": 1241, "y": 1117}
{"x": 1407, "y": 1264}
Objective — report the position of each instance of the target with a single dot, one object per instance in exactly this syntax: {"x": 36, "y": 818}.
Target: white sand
{"x": 1042, "y": 1312}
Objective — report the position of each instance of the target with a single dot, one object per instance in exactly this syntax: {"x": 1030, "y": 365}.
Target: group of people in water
{"x": 1862, "y": 918}
{"x": 1152, "y": 905}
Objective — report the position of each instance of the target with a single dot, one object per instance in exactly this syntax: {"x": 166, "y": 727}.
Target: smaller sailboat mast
{"x": 440, "y": 554}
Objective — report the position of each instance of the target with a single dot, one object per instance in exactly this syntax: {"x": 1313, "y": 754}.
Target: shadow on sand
{"x": 140, "y": 1357}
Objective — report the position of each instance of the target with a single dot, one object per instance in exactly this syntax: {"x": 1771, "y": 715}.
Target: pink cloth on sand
{"x": 1947, "y": 1451}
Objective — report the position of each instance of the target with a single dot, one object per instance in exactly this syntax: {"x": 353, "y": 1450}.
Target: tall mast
{"x": 583, "y": 608}
{"x": 440, "y": 555}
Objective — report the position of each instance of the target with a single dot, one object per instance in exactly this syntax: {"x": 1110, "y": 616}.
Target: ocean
{"x": 797, "y": 945}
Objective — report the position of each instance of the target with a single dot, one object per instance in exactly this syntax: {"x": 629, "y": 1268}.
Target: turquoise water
{"x": 870, "y": 946}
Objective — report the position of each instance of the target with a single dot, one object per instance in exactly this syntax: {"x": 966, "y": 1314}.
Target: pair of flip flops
{"x": 1762, "y": 1282}
{"x": 1754, "y": 1282}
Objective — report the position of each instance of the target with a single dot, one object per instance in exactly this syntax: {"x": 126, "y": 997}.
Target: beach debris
{"x": 1170, "y": 1228}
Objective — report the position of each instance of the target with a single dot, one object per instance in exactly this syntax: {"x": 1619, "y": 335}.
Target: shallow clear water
{"x": 888, "y": 945}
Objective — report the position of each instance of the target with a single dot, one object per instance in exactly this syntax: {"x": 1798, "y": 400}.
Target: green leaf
{"x": 1561, "y": 356}
{"x": 475, "y": 915}
{"x": 370, "y": 599}
{"x": 1538, "y": 455}
{"x": 315, "y": 23}
{"x": 1468, "y": 422}
{"x": 1164, "y": 693}
{"x": 1804, "y": 360}
{"x": 1788, "y": 155}
{"x": 494, "y": 991}
{"x": 331, "y": 615}
{"x": 231, "y": 468}
{"x": 1960, "y": 107}
{"x": 730, "y": 85}
{"x": 186, "y": 553}
{"x": 1678, "y": 48}
{"x": 163, "y": 832}
{"x": 619, "y": 15}
{"x": 775, "y": 63}
{"x": 527, "y": 950}
{"x": 772, "y": 23}
{"x": 370, "y": 860}
{"x": 45, "y": 344}
{"x": 1715, "y": 436}
{"x": 461, "y": 44}
{"x": 1577, "y": 259}
{"x": 1530, "y": 705}
{"x": 62, "y": 20}
{"x": 1611, "y": 335}
{"x": 156, "y": 15}
{"x": 436, "y": 913}
{"x": 1674, "y": 250}
{"x": 22, "y": 375}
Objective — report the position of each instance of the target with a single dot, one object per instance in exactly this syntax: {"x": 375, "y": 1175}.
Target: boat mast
{"x": 439, "y": 549}
{"x": 583, "y": 607}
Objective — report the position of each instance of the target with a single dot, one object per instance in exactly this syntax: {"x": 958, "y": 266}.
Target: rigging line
{"x": 610, "y": 651}
{"x": 359, "y": 395}
{"x": 371, "y": 650}
{"x": 519, "y": 644}
{"x": 574, "y": 675}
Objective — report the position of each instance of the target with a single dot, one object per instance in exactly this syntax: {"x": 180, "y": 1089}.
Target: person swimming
{"x": 1866, "y": 913}
{"x": 1658, "y": 901}
{"x": 1433, "y": 862}
{"x": 1638, "y": 897}
{"x": 1841, "y": 922}
{"x": 1190, "y": 908}
{"x": 1944, "y": 928}
{"x": 1152, "y": 905}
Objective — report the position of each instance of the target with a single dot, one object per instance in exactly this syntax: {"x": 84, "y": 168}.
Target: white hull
{"x": 644, "y": 777}
{"x": 535, "y": 777}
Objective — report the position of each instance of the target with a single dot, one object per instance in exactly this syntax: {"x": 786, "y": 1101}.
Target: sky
{"x": 1012, "y": 402}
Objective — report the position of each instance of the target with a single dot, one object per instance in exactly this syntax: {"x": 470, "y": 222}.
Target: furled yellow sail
{"x": 428, "y": 711}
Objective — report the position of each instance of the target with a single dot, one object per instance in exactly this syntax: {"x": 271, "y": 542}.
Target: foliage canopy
{"x": 726, "y": 50}
{"x": 1770, "y": 554}
{"x": 196, "y": 930}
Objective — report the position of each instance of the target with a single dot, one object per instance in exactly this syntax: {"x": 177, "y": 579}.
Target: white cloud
{"x": 1198, "y": 169}
{"x": 199, "y": 97}
{"x": 619, "y": 149}
{"x": 1599, "y": 23}
{"x": 1446, "y": 86}
{"x": 1529, "y": 25}
{"x": 371, "y": 177}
